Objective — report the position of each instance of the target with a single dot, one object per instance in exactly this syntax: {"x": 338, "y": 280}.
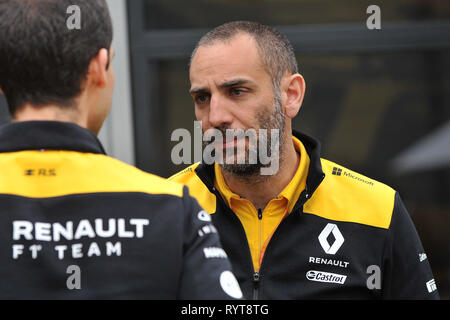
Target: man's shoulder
{"x": 197, "y": 188}
{"x": 186, "y": 175}
{"x": 136, "y": 180}
{"x": 345, "y": 195}
{"x": 78, "y": 173}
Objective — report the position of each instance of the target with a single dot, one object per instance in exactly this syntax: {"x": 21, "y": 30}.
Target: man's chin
{"x": 242, "y": 170}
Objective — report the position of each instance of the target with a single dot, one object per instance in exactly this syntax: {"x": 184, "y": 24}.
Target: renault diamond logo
{"x": 338, "y": 239}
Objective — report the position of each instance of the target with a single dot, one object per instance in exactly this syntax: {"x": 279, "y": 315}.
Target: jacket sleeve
{"x": 206, "y": 273}
{"x": 407, "y": 272}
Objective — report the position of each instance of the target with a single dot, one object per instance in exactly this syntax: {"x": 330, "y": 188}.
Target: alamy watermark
{"x": 73, "y": 22}
{"x": 374, "y": 280}
{"x": 228, "y": 147}
{"x": 373, "y": 22}
{"x": 74, "y": 280}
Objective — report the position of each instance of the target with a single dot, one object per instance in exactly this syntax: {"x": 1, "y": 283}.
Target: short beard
{"x": 251, "y": 172}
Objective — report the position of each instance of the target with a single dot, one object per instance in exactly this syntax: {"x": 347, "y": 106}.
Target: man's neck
{"x": 49, "y": 113}
{"x": 259, "y": 190}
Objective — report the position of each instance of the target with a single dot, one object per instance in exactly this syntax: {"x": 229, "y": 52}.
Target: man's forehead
{"x": 239, "y": 46}
{"x": 227, "y": 60}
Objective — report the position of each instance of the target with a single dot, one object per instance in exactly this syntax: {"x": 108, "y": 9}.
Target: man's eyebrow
{"x": 197, "y": 90}
{"x": 234, "y": 82}
{"x": 226, "y": 84}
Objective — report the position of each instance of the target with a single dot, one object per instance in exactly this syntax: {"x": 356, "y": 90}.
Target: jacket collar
{"x": 48, "y": 135}
{"x": 315, "y": 173}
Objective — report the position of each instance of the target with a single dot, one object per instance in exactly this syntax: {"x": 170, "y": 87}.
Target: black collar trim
{"x": 48, "y": 135}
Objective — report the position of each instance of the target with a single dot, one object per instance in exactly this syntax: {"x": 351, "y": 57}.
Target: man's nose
{"x": 219, "y": 112}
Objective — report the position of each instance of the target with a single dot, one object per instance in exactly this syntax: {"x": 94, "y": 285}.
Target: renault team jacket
{"x": 76, "y": 224}
{"x": 348, "y": 237}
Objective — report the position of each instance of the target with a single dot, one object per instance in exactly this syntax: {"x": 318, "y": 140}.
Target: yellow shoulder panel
{"x": 197, "y": 188}
{"x": 347, "y": 196}
{"x": 38, "y": 174}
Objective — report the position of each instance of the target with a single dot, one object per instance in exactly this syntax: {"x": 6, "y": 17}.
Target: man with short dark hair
{"x": 311, "y": 229}
{"x": 75, "y": 223}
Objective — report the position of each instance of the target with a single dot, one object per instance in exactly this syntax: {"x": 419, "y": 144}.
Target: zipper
{"x": 256, "y": 274}
{"x": 260, "y": 233}
{"x": 256, "y": 278}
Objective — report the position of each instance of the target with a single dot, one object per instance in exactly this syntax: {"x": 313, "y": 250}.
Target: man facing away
{"x": 75, "y": 223}
{"x": 311, "y": 229}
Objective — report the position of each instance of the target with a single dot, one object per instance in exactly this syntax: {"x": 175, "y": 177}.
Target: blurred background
{"x": 379, "y": 100}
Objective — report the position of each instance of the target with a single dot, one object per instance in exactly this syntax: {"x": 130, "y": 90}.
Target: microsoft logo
{"x": 337, "y": 171}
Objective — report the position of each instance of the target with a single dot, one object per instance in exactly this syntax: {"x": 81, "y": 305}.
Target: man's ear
{"x": 1, "y": 91}
{"x": 294, "y": 88}
{"x": 97, "y": 74}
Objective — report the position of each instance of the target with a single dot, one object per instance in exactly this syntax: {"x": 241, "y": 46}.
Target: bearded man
{"x": 307, "y": 228}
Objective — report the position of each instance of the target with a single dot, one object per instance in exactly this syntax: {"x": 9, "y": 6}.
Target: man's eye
{"x": 201, "y": 98}
{"x": 237, "y": 92}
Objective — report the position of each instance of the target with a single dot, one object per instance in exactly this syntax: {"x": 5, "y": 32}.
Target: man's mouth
{"x": 230, "y": 143}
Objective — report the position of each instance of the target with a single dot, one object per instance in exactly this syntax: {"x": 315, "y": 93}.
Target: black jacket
{"x": 348, "y": 236}
{"x": 76, "y": 224}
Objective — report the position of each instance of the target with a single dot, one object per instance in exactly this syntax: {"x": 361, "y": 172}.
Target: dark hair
{"x": 42, "y": 61}
{"x": 275, "y": 49}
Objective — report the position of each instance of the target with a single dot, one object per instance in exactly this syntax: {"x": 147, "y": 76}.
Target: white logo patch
{"x": 230, "y": 285}
{"x": 431, "y": 286}
{"x": 204, "y": 216}
{"x": 320, "y": 276}
{"x": 214, "y": 252}
{"x": 422, "y": 257}
{"x": 339, "y": 239}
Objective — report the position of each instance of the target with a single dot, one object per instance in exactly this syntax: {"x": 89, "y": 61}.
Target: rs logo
{"x": 338, "y": 238}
